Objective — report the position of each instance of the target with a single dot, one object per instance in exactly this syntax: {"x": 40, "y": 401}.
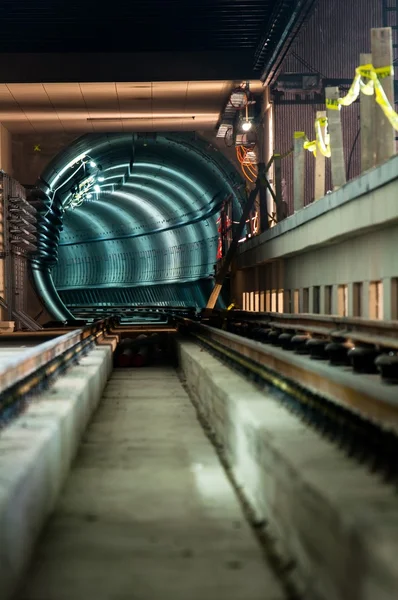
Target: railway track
{"x": 24, "y": 376}
{"x": 340, "y": 396}
{"x": 137, "y": 512}
{"x": 356, "y": 410}
{"x": 367, "y": 346}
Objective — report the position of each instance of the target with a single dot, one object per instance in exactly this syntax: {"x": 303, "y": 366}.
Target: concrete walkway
{"x": 148, "y": 512}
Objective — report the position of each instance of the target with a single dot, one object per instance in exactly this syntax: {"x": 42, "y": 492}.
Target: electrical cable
{"x": 352, "y": 152}
{"x": 62, "y": 185}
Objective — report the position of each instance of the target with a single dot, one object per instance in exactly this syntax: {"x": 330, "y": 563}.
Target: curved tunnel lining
{"x": 199, "y": 179}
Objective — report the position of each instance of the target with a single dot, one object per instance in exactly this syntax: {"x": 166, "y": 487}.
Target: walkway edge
{"x": 36, "y": 452}
{"x": 333, "y": 522}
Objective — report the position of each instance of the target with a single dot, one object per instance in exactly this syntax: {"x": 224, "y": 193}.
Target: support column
{"x": 299, "y": 170}
{"x": 367, "y": 124}
{"x": 388, "y": 299}
{"x": 311, "y": 299}
{"x": 320, "y": 162}
{"x": 287, "y": 301}
{"x": 335, "y": 300}
{"x": 322, "y": 300}
{"x": 350, "y": 292}
{"x": 336, "y": 137}
{"x": 265, "y": 152}
{"x": 365, "y": 299}
{"x": 382, "y": 57}
{"x": 261, "y": 158}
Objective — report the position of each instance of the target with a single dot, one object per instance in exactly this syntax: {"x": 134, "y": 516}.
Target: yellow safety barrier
{"x": 367, "y": 81}
{"x": 319, "y": 142}
{"x": 323, "y": 144}
{"x": 369, "y": 87}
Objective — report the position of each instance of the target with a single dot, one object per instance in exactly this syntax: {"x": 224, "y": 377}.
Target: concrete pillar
{"x": 350, "y": 292}
{"x": 388, "y": 288}
{"x": 288, "y": 301}
{"x": 335, "y": 300}
{"x": 365, "y": 299}
{"x": 322, "y": 300}
{"x": 5, "y": 150}
{"x": 267, "y": 142}
{"x": 311, "y": 300}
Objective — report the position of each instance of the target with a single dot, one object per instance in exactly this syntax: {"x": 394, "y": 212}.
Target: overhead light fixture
{"x": 92, "y": 164}
{"x": 97, "y": 188}
{"x": 101, "y": 178}
{"x": 247, "y": 125}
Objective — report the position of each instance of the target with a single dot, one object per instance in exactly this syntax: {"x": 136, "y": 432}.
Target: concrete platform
{"x": 36, "y": 451}
{"x": 148, "y": 512}
{"x": 333, "y": 520}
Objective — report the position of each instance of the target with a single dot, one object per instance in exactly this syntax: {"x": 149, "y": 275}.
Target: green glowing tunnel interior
{"x": 147, "y": 235}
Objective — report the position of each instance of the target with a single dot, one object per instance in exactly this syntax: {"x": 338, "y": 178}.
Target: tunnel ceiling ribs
{"x": 254, "y": 27}
{"x": 148, "y": 219}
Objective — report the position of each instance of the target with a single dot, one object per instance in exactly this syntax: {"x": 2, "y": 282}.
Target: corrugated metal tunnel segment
{"x": 188, "y": 294}
{"x": 152, "y": 223}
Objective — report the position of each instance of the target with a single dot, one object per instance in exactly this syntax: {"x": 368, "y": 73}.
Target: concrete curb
{"x": 36, "y": 452}
{"x": 327, "y": 514}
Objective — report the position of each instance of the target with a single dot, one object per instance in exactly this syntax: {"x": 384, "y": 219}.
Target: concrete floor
{"x": 148, "y": 512}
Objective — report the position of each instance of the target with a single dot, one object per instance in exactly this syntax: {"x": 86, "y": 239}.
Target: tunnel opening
{"x": 131, "y": 220}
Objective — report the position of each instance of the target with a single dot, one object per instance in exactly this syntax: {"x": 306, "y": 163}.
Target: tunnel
{"x": 131, "y": 220}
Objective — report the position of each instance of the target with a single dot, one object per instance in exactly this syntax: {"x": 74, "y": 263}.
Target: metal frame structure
{"x": 18, "y": 220}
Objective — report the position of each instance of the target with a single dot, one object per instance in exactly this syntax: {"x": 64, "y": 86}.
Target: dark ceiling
{"x": 254, "y": 27}
{"x": 128, "y": 25}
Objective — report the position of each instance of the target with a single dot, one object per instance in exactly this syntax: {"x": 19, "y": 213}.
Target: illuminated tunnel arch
{"x": 149, "y": 236}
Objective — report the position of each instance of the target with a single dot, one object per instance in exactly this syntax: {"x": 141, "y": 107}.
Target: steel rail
{"x": 364, "y": 394}
{"x": 24, "y": 375}
{"x": 360, "y": 414}
{"x": 382, "y": 333}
